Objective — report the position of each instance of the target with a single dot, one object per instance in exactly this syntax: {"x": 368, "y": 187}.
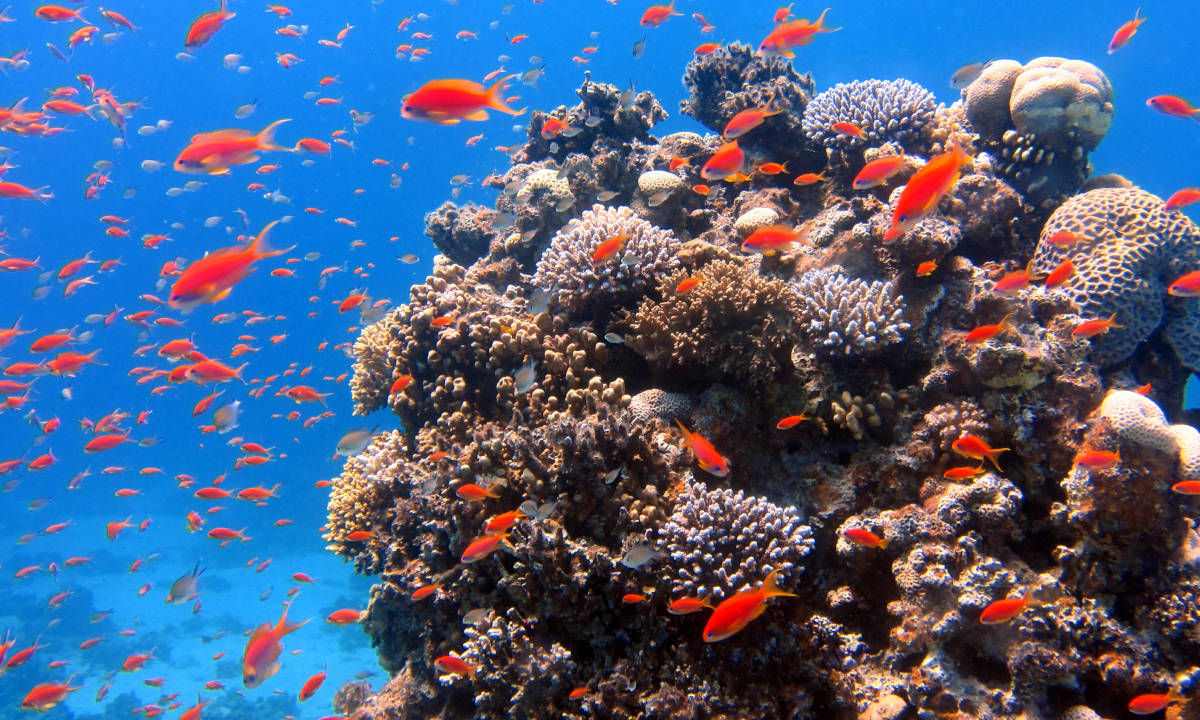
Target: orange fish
{"x": 849, "y": 129}
{"x": 1151, "y": 703}
{"x": 727, "y": 160}
{"x": 1092, "y": 328}
{"x": 1064, "y": 239}
{"x": 864, "y": 537}
{"x": 808, "y": 179}
{"x": 1186, "y": 286}
{"x": 688, "y": 605}
{"x": 260, "y": 658}
{"x": 925, "y": 189}
{"x": 700, "y": 189}
{"x": 963, "y": 473}
{"x": 793, "y": 33}
{"x": 310, "y": 686}
{"x": 1186, "y": 487}
{"x": 656, "y": 15}
{"x": 926, "y": 268}
{"x": 205, "y": 26}
{"x": 983, "y": 333}
{"x": 346, "y": 616}
{"x": 213, "y": 153}
{"x": 473, "y": 492}
{"x": 790, "y": 421}
{"x": 1098, "y": 459}
{"x": 57, "y": 13}
{"x": 454, "y": 666}
{"x": 707, "y": 48}
{"x": 609, "y": 247}
{"x": 772, "y": 238}
{"x": 210, "y": 278}
{"x": 772, "y": 168}
{"x": 877, "y": 172}
{"x": 480, "y": 548}
{"x": 1125, "y": 33}
{"x": 44, "y": 696}
{"x": 747, "y": 120}
{"x": 1182, "y": 198}
{"x": 1001, "y": 611}
{"x": 707, "y": 457}
{"x": 1060, "y": 275}
{"x": 1174, "y": 106}
{"x": 446, "y": 102}
{"x": 1014, "y": 282}
{"x": 503, "y": 521}
{"x": 688, "y": 284}
{"x": 974, "y": 447}
{"x": 633, "y": 598}
{"x": 735, "y": 613}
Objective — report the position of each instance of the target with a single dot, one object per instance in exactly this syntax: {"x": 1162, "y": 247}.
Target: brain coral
{"x": 581, "y": 285}
{"x": 735, "y": 324}
{"x": 899, "y": 111}
{"x": 1063, "y": 102}
{"x": 849, "y": 316}
{"x": 721, "y": 540}
{"x": 1136, "y": 250}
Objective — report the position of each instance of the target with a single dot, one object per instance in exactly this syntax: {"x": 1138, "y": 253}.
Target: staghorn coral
{"x": 1136, "y": 250}
{"x": 720, "y": 540}
{"x": 585, "y": 286}
{"x": 849, "y": 317}
{"x": 736, "y": 324}
{"x": 895, "y": 111}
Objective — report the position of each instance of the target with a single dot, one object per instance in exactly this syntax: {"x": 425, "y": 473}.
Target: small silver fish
{"x": 502, "y": 221}
{"x": 544, "y": 511}
{"x": 639, "y": 47}
{"x": 474, "y": 616}
{"x": 614, "y": 338}
{"x": 658, "y": 198}
{"x": 966, "y": 75}
{"x": 539, "y": 301}
{"x": 408, "y": 258}
{"x": 244, "y": 111}
{"x": 354, "y": 442}
{"x": 525, "y": 376}
{"x": 152, "y": 165}
{"x": 193, "y": 185}
{"x": 564, "y": 205}
{"x": 225, "y": 418}
{"x": 606, "y": 195}
{"x": 461, "y": 179}
{"x": 532, "y": 76}
{"x": 185, "y": 587}
{"x": 231, "y": 61}
{"x": 612, "y": 476}
{"x": 639, "y": 555}
{"x": 592, "y": 121}
{"x": 212, "y": 221}
{"x": 147, "y": 130}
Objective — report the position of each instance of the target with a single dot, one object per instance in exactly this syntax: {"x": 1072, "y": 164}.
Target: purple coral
{"x": 849, "y": 317}
{"x": 721, "y": 540}
{"x": 583, "y": 285}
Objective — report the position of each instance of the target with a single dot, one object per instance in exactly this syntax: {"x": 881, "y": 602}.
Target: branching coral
{"x": 720, "y": 540}
{"x": 849, "y": 317}
{"x": 897, "y": 111}
{"x": 583, "y": 284}
{"x": 734, "y": 324}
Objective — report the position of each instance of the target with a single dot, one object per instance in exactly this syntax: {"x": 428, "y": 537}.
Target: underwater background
{"x": 356, "y": 216}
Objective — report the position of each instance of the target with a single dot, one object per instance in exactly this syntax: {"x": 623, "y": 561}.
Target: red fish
{"x": 1182, "y": 198}
{"x": 790, "y": 421}
{"x": 481, "y": 547}
{"x": 205, "y": 26}
{"x": 688, "y": 605}
{"x": 210, "y": 278}
{"x": 311, "y": 686}
{"x": 656, "y": 15}
{"x": 707, "y": 457}
{"x": 1001, "y": 611}
{"x": 864, "y": 537}
{"x": 772, "y": 238}
{"x": 454, "y": 666}
{"x": 1151, "y": 703}
{"x": 446, "y": 102}
{"x": 926, "y": 268}
{"x": 925, "y": 189}
{"x": 983, "y": 333}
{"x": 735, "y": 613}
{"x": 346, "y": 616}
{"x": 877, "y": 172}
{"x": 503, "y": 521}
{"x": 58, "y": 13}
{"x": 974, "y": 447}
{"x": 260, "y": 658}
{"x": 1174, "y": 106}
{"x": 1092, "y": 328}
{"x": 793, "y": 33}
{"x": 688, "y": 284}
{"x": 46, "y": 695}
{"x": 1186, "y": 286}
{"x": 1059, "y": 275}
{"x": 1098, "y": 459}
{"x": 609, "y": 247}
{"x": 1125, "y": 33}
{"x": 213, "y": 153}
{"x": 727, "y": 160}
{"x": 747, "y": 120}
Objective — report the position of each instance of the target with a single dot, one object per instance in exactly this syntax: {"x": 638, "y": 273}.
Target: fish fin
{"x": 476, "y": 115}
{"x": 770, "y": 589}
{"x": 265, "y": 139}
{"x": 260, "y": 248}
{"x": 687, "y": 434}
{"x": 495, "y": 99}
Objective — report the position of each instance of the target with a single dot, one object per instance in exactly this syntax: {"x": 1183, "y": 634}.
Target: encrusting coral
{"x": 910, "y": 431}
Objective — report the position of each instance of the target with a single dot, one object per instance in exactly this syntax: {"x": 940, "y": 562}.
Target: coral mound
{"x": 898, "y": 111}
{"x": 849, "y": 317}
{"x": 1133, "y": 250}
{"x": 583, "y": 285}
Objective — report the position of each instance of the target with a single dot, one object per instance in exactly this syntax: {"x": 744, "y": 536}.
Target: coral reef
{"x": 1133, "y": 250}
{"x": 887, "y": 111}
{"x": 852, "y": 389}
{"x": 1042, "y": 119}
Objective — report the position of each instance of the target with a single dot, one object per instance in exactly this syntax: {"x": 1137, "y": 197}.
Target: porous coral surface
{"x": 909, "y": 432}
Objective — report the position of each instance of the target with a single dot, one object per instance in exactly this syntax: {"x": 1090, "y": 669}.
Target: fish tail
{"x": 265, "y": 139}
{"x": 1173, "y": 694}
{"x": 283, "y": 627}
{"x": 1112, "y": 324}
{"x": 687, "y": 434}
{"x": 771, "y": 589}
{"x": 995, "y": 453}
{"x": 260, "y": 248}
{"x": 820, "y": 25}
{"x": 495, "y": 99}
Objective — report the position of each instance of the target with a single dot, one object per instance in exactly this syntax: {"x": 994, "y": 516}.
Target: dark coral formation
{"x": 837, "y": 379}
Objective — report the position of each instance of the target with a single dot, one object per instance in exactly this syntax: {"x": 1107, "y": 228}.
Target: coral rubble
{"x": 851, "y": 388}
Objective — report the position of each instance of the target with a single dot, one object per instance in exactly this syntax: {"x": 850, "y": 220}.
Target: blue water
{"x": 924, "y": 42}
